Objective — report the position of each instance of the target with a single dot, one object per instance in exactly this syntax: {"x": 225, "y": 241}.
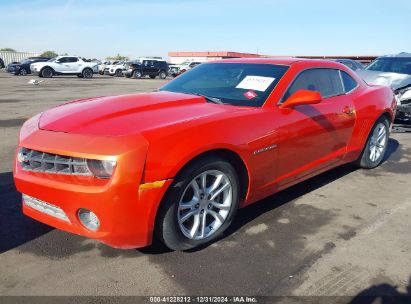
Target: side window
{"x": 348, "y": 82}
{"x": 325, "y": 81}
{"x": 62, "y": 60}
{"x": 72, "y": 59}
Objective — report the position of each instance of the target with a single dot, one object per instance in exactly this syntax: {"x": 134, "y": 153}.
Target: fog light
{"x": 89, "y": 219}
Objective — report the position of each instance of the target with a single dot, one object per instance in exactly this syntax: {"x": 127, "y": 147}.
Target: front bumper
{"x": 35, "y": 71}
{"x": 126, "y": 212}
{"x": 128, "y": 73}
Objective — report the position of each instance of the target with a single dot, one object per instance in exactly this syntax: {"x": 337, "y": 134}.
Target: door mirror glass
{"x": 302, "y": 97}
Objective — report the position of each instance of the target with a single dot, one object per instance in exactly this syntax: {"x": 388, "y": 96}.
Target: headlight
{"x": 101, "y": 168}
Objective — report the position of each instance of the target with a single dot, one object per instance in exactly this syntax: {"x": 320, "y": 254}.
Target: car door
{"x": 314, "y": 137}
{"x": 73, "y": 65}
{"x": 61, "y": 65}
{"x": 147, "y": 67}
{"x": 156, "y": 68}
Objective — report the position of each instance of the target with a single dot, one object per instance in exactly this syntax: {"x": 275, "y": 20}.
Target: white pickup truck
{"x": 65, "y": 65}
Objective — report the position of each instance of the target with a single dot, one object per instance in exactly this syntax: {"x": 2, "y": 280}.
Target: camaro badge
{"x": 265, "y": 149}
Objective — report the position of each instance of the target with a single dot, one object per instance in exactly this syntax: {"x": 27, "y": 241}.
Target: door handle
{"x": 349, "y": 111}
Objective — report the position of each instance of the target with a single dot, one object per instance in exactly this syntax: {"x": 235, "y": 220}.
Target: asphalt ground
{"x": 343, "y": 233}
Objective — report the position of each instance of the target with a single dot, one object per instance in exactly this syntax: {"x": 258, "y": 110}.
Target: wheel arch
{"x": 231, "y": 157}
{"x": 226, "y": 154}
{"x": 47, "y": 66}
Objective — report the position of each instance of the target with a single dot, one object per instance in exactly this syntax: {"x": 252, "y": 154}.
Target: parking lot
{"x": 341, "y": 233}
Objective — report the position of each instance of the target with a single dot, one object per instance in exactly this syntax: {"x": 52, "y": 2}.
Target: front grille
{"x": 44, "y": 207}
{"x": 38, "y": 161}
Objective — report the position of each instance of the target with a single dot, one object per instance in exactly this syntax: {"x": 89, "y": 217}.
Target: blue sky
{"x": 100, "y": 28}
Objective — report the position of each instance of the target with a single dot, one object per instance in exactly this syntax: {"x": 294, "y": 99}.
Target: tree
{"x": 118, "y": 57}
{"x": 8, "y": 50}
{"x": 49, "y": 54}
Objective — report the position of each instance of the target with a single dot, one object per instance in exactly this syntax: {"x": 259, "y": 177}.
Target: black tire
{"x": 47, "y": 72}
{"x": 153, "y": 76}
{"x": 23, "y": 72}
{"x": 119, "y": 73}
{"x": 163, "y": 75}
{"x": 167, "y": 226}
{"x": 87, "y": 73}
{"x": 137, "y": 74}
{"x": 366, "y": 159}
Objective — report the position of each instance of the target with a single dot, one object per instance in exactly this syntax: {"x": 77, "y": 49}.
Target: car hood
{"x": 129, "y": 114}
{"x": 393, "y": 80}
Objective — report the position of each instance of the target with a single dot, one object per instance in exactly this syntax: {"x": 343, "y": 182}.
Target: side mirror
{"x": 302, "y": 97}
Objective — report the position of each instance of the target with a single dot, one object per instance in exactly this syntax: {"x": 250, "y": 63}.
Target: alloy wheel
{"x": 205, "y": 204}
{"x": 378, "y": 141}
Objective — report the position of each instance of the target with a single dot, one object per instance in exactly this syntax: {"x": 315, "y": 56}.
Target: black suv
{"x": 147, "y": 67}
{"x": 23, "y": 67}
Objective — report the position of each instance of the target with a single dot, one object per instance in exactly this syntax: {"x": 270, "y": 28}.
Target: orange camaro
{"x": 179, "y": 162}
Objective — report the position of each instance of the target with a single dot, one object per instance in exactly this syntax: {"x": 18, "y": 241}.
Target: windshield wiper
{"x": 209, "y": 98}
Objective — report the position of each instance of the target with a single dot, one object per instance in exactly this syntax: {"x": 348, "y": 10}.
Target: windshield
{"x": 393, "y": 65}
{"x": 243, "y": 84}
{"x": 52, "y": 59}
{"x": 25, "y": 61}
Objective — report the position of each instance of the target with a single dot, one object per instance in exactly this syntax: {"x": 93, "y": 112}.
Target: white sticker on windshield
{"x": 257, "y": 83}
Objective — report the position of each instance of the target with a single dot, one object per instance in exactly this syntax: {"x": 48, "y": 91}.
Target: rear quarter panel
{"x": 370, "y": 102}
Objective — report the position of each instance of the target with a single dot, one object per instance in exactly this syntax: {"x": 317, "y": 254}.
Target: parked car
{"x": 108, "y": 67}
{"x": 177, "y": 164}
{"x": 2, "y": 65}
{"x": 65, "y": 65}
{"x": 352, "y": 64}
{"x": 117, "y": 69}
{"x": 393, "y": 71}
{"x": 147, "y": 67}
{"x": 104, "y": 65}
{"x": 180, "y": 69}
{"x": 23, "y": 68}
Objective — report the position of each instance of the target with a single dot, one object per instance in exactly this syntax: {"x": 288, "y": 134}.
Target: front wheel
{"x": 200, "y": 205}
{"x": 23, "y": 72}
{"x": 47, "y": 72}
{"x": 119, "y": 73}
{"x": 376, "y": 145}
{"x": 137, "y": 74}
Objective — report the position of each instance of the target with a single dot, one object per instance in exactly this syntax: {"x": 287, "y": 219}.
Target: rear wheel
{"x": 200, "y": 205}
{"x": 87, "y": 73}
{"x": 47, "y": 72}
{"x": 163, "y": 75}
{"x": 376, "y": 145}
{"x": 137, "y": 74}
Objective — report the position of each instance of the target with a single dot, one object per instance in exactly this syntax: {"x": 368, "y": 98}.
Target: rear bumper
{"x": 126, "y": 213}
